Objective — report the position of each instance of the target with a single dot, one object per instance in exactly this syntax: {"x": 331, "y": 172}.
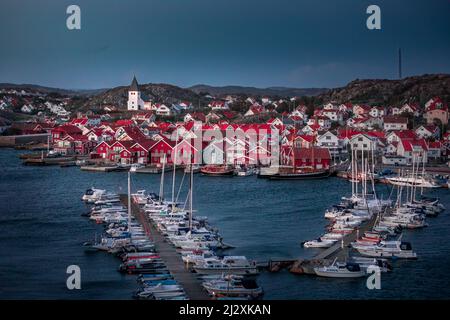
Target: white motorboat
{"x": 388, "y": 249}
{"x": 340, "y": 270}
{"x": 233, "y": 288}
{"x": 365, "y": 263}
{"x": 92, "y": 194}
{"x": 319, "y": 243}
{"x": 238, "y": 265}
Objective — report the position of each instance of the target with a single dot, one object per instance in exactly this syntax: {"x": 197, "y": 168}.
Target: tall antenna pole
{"x": 399, "y": 63}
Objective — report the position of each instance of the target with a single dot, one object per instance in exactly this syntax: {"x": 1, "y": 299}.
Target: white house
{"x": 135, "y": 101}
{"x": 162, "y": 109}
{"x": 377, "y": 112}
{"x": 333, "y": 115}
{"x": 27, "y": 108}
{"x": 362, "y": 142}
{"x": 331, "y": 141}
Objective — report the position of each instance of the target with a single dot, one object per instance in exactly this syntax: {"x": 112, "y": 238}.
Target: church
{"x": 135, "y": 100}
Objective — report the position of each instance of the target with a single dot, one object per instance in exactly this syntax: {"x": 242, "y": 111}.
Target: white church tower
{"x": 135, "y": 101}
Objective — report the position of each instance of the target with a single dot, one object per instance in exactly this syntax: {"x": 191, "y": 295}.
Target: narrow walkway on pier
{"x": 172, "y": 259}
{"x": 337, "y": 251}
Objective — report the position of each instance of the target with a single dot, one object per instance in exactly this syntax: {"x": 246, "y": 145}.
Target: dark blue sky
{"x": 220, "y": 42}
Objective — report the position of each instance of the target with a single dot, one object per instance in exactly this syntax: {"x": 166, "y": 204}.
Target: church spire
{"x": 134, "y": 85}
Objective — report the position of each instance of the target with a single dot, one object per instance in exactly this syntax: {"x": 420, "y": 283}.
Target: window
{"x": 360, "y": 139}
{"x": 365, "y": 145}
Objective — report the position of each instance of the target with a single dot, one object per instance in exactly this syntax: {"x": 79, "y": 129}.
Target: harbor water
{"x": 42, "y": 232}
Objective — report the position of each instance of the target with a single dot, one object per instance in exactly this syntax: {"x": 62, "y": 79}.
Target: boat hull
{"x": 299, "y": 176}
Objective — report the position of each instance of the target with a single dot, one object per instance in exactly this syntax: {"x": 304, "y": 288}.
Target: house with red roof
{"x": 254, "y": 110}
{"x": 218, "y": 105}
{"x": 304, "y": 141}
{"x": 129, "y": 133}
{"x": 316, "y": 157}
{"x": 79, "y": 122}
{"x": 361, "y": 110}
{"x": 58, "y": 133}
{"x": 411, "y": 108}
{"x": 400, "y": 135}
{"x": 416, "y": 148}
{"x": 436, "y": 109}
{"x": 435, "y": 150}
{"x": 428, "y": 131}
{"x": 160, "y": 151}
{"x": 395, "y": 123}
{"x": 103, "y": 149}
{"x": 121, "y": 152}
{"x": 74, "y": 144}
{"x": 311, "y": 129}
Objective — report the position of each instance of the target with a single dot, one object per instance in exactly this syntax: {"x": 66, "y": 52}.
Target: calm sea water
{"x": 41, "y": 233}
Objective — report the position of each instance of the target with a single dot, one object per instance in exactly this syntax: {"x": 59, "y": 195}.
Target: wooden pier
{"x": 172, "y": 259}
{"x": 340, "y": 248}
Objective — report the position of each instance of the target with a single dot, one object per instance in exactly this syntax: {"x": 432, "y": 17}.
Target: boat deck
{"x": 172, "y": 259}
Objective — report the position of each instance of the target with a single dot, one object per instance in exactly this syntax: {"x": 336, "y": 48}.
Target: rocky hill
{"x": 390, "y": 92}
{"x": 162, "y": 93}
{"x": 252, "y": 91}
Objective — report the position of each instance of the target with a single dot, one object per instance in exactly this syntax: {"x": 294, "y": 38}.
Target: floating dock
{"x": 172, "y": 259}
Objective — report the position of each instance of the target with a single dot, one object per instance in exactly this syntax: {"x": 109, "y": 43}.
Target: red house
{"x": 162, "y": 148}
{"x": 317, "y": 158}
{"x": 60, "y": 132}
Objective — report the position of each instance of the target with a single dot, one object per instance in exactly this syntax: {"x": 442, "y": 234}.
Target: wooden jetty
{"x": 153, "y": 169}
{"x": 99, "y": 168}
{"x": 172, "y": 259}
{"x": 340, "y": 249}
{"x": 47, "y": 161}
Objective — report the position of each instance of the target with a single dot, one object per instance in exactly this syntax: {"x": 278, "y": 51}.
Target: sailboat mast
{"x": 293, "y": 152}
{"x": 353, "y": 172}
{"x": 423, "y": 172}
{"x": 161, "y": 187}
{"x": 413, "y": 178}
{"x": 129, "y": 200}
{"x": 190, "y": 196}
{"x": 174, "y": 169}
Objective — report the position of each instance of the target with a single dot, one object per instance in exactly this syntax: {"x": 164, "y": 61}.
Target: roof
{"x": 395, "y": 119}
{"x": 308, "y": 153}
{"x": 134, "y": 85}
{"x": 435, "y": 145}
{"x": 409, "y": 144}
{"x": 405, "y": 134}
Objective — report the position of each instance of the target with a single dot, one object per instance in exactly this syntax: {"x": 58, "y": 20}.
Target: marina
{"x": 298, "y": 218}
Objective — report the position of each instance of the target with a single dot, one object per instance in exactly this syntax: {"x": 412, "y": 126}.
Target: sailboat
{"x": 300, "y": 173}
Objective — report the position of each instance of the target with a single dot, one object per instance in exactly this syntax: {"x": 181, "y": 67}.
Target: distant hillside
{"x": 163, "y": 93}
{"x": 43, "y": 89}
{"x": 390, "y": 92}
{"x": 252, "y": 91}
